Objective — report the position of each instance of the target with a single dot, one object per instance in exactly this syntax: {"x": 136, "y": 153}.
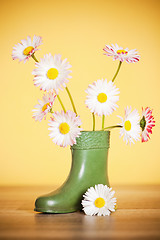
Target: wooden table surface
{"x": 137, "y": 216}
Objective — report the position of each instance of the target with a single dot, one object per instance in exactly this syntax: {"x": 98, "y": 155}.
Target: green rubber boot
{"x": 89, "y": 167}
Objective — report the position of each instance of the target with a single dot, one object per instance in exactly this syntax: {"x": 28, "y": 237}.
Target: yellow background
{"x": 78, "y": 30}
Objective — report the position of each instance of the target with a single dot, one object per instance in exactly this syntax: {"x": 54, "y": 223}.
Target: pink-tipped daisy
{"x": 64, "y": 128}
{"x": 24, "y": 50}
{"x": 51, "y": 73}
{"x": 44, "y": 106}
{"x": 130, "y": 126}
{"x": 146, "y": 123}
{"x": 121, "y": 54}
{"x": 102, "y": 97}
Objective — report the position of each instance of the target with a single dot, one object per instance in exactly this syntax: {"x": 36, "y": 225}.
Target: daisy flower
{"x": 24, "y": 50}
{"x": 44, "y": 106}
{"x": 101, "y": 98}
{"x": 146, "y": 123}
{"x": 64, "y": 128}
{"x": 99, "y": 200}
{"x": 130, "y": 126}
{"x": 51, "y": 72}
{"x": 121, "y": 54}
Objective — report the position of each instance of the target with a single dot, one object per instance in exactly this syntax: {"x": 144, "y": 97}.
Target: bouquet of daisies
{"x": 51, "y": 75}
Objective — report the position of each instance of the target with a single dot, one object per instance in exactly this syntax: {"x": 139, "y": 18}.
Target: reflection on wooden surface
{"x": 137, "y": 217}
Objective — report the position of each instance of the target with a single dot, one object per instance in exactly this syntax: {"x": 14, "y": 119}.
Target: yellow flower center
{"x": 52, "y": 73}
{"x": 102, "y": 97}
{"x": 27, "y": 50}
{"x": 64, "y": 128}
{"x": 127, "y": 125}
{"x": 99, "y": 202}
{"x": 45, "y": 106}
{"x": 122, "y": 51}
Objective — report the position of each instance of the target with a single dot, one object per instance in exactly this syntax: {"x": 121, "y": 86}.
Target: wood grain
{"x": 137, "y": 216}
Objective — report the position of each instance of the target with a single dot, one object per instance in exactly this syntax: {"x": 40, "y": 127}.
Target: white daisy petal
{"x": 99, "y": 201}
{"x": 102, "y": 97}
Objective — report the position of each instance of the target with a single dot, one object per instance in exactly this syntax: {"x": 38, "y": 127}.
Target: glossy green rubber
{"x": 89, "y": 167}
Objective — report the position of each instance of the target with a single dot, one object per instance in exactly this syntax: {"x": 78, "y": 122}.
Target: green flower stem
{"x": 71, "y": 99}
{"x": 119, "y": 66}
{"x": 103, "y": 118}
{"x": 61, "y": 103}
{"x": 93, "y": 121}
{"x": 116, "y": 126}
{"x": 33, "y": 56}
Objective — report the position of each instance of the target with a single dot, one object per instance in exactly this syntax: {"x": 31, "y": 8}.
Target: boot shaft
{"x": 89, "y": 159}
